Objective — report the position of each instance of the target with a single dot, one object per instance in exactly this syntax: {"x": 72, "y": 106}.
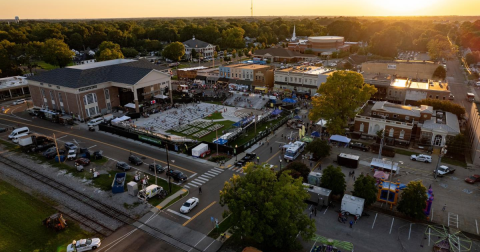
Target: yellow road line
{"x": 196, "y": 215}
{"x": 6, "y": 111}
{"x": 274, "y": 155}
{"x": 93, "y": 140}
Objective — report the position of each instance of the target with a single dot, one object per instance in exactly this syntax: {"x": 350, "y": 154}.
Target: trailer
{"x": 118, "y": 184}
{"x": 200, "y": 151}
{"x": 314, "y": 178}
{"x": 25, "y": 141}
{"x": 352, "y": 205}
{"x": 384, "y": 165}
{"x": 348, "y": 160}
{"x": 318, "y": 196}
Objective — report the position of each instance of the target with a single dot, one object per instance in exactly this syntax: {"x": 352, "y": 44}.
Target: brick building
{"x": 319, "y": 45}
{"x": 90, "y": 90}
{"x": 303, "y": 79}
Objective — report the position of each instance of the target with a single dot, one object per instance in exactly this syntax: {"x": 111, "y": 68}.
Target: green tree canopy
{"x": 470, "y": 59}
{"x": 339, "y": 98}
{"x": 297, "y": 170}
{"x": 385, "y": 43}
{"x": 174, "y": 51}
{"x": 129, "y": 52}
{"x": 365, "y": 188}
{"x": 109, "y": 51}
{"x": 333, "y": 179}
{"x": 267, "y": 209}
{"x": 439, "y": 48}
{"x": 233, "y": 37}
{"x": 194, "y": 54}
{"x": 319, "y": 148}
{"x": 444, "y": 105}
{"x": 413, "y": 200}
{"x": 440, "y": 73}
{"x": 57, "y": 53}
{"x": 457, "y": 145}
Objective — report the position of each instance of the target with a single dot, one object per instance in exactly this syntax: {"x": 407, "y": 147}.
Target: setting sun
{"x": 404, "y": 7}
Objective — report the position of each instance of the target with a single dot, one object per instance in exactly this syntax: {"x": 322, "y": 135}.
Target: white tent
{"x": 121, "y": 119}
{"x": 322, "y": 123}
{"x": 130, "y": 105}
{"x": 161, "y": 96}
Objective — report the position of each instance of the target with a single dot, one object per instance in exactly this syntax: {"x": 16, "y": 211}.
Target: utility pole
{"x": 381, "y": 145}
{"x": 56, "y": 147}
{"x": 443, "y": 151}
{"x": 168, "y": 164}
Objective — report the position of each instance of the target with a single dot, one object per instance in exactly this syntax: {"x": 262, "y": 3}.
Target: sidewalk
{"x": 169, "y": 199}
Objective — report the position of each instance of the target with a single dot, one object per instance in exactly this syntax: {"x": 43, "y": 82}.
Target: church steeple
{"x": 294, "y": 37}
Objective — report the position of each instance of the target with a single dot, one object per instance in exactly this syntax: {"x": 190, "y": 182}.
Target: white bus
{"x": 294, "y": 150}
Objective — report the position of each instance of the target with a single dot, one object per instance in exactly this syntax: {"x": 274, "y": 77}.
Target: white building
{"x": 304, "y": 79}
{"x": 202, "y": 48}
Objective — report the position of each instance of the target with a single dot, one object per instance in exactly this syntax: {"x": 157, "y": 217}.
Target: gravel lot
{"x": 35, "y": 187}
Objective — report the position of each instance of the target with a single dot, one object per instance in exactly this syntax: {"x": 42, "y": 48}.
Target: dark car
{"x": 43, "y": 147}
{"x": 177, "y": 175}
{"x": 159, "y": 168}
{"x": 70, "y": 146}
{"x": 98, "y": 154}
{"x": 358, "y": 146}
{"x": 82, "y": 161}
{"x": 52, "y": 152}
{"x": 3, "y": 130}
{"x": 42, "y": 140}
{"x": 240, "y": 163}
{"x": 123, "y": 166}
{"x": 472, "y": 179}
{"x": 135, "y": 160}
{"x": 250, "y": 156}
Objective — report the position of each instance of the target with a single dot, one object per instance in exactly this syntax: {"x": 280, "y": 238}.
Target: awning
{"x": 130, "y": 105}
{"x": 161, "y": 96}
{"x": 276, "y": 112}
{"x": 339, "y": 138}
{"x": 289, "y": 100}
{"x": 380, "y": 174}
{"x": 260, "y": 88}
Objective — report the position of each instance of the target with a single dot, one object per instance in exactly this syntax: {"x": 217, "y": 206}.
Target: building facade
{"x": 283, "y": 55}
{"x": 202, "y": 48}
{"x": 91, "y": 90}
{"x": 474, "y": 134}
{"x": 253, "y": 75}
{"x": 319, "y": 45}
{"x": 304, "y": 79}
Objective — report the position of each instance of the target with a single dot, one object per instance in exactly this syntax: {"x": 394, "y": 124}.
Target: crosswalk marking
{"x": 214, "y": 172}
{"x": 211, "y": 173}
{"x": 186, "y": 186}
{"x": 201, "y": 179}
{"x": 208, "y": 175}
{"x": 205, "y": 177}
{"x": 216, "y": 169}
{"x": 195, "y": 183}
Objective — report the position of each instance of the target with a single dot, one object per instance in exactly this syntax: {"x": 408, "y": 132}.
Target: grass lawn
{"x": 183, "y": 66}
{"x": 45, "y": 65}
{"x": 222, "y": 227}
{"x": 405, "y": 152}
{"x": 211, "y": 136}
{"x": 447, "y": 160}
{"x": 214, "y": 116}
{"x": 99, "y": 161}
{"x": 21, "y": 229}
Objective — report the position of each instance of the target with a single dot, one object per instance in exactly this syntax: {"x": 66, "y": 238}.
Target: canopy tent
{"x": 322, "y": 123}
{"x": 342, "y": 139}
{"x": 315, "y": 134}
{"x": 276, "y": 112}
{"x": 380, "y": 175}
{"x": 297, "y": 117}
{"x": 161, "y": 96}
{"x": 121, "y": 119}
{"x": 130, "y": 105}
{"x": 289, "y": 100}
{"x": 220, "y": 141}
{"x": 260, "y": 88}
{"x": 272, "y": 97}
{"x": 306, "y": 139}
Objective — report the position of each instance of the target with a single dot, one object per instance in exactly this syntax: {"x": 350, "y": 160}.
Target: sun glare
{"x": 404, "y": 7}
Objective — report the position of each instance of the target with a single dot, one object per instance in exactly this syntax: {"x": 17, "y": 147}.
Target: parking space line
{"x": 476, "y": 225}
{"x": 410, "y": 231}
{"x": 196, "y": 215}
{"x": 374, "y": 220}
{"x": 393, "y": 219}
{"x": 92, "y": 146}
{"x": 325, "y": 210}
{"x": 179, "y": 214}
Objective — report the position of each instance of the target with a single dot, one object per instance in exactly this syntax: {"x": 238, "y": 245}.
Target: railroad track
{"x": 107, "y": 210}
{"x": 84, "y": 220}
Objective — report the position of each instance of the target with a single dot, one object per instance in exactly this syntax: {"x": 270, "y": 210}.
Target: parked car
{"x": 444, "y": 170}
{"x": 240, "y": 163}
{"x": 82, "y": 161}
{"x": 70, "y": 146}
{"x": 17, "y": 102}
{"x": 421, "y": 158}
{"x": 52, "y": 152}
{"x": 177, "y": 175}
{"x": 84, "y": 245}
{"x": 3, "y": 130}
{"x": 189, "y": 205}
{"x": 72, "y": 154}
{"x": 98, "y": 154}
{"x": 43, "y": 147}
{"x": 123, "y": 166}
{"x": 473, "y": 179}
{"x": 158, "y": 167}
{"x": 135, "y": 160}
{"x": 250, "y": 156}
{"x": 358, "y": 146}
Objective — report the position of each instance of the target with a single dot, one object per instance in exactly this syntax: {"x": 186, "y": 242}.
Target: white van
{"x": 20, "y": 131}
{"x": 477, "y": 84}
{"x": 149, "y": 192}
{"x": 95, "y": 122}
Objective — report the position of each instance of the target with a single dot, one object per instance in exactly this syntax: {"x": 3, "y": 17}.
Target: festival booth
{"x": 384, "y": 165}
{"x": 340, "y": 140}
{"x": 289, "y": 100}
{"x": 223, "y": 139}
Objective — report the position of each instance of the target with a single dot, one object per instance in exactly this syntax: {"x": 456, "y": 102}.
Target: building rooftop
{"x": 400, "y": 109}
{"x": 102, "y": 64}
{"x": 443, "y": 121}
{"x": 195, "y": 43}
{"x": 254, "y": 66}
{"x": 281, "y": 52}
{"x": 308, "y": 70}
{"x": 414, "y": 84}
{"x": 192, "y": 68}
{"x": 13, "y": 82}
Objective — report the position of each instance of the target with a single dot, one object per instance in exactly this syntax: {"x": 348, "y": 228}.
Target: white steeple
{"x": 294, "y": 37}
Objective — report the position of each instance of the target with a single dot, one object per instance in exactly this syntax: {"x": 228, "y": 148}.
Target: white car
{"x": 421, "y": 158}
{"x": 17, "y": 102}
{"x": 72, "y": 154}
{"x": 84, "y": 245}
{"x": 189, "y": 205}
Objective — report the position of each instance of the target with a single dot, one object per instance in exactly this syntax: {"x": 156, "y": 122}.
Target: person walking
{"x": 270, "y": 149}
{"x": 444, "y": 206}
{"x": 199, "y": 190}
{"x": 351, "y": 224}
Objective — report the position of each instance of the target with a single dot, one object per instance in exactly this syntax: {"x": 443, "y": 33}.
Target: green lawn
{"x": 214, "y": 116}
{"x": 45, "y": 65}
{"x": 211, "y": 136}
{"x": 405, "y": 152}
{"x": 222, "y": 227}
{"x": 99, "y": 161}
{"x": 174, "y": 200}
{"x": 21, "y": 229}
{"x": 447, "y": 160}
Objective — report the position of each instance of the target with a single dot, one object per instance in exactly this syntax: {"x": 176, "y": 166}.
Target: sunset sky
{"x": 69, "y": 9}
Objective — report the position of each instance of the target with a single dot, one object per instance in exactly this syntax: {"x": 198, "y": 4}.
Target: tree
{"x": 340, "y": 96}
{"x": 193, "y": 54}
{"x": 440, "y": 73}
{"x": 109, "y": 51}
{"x": 129, "y": 52}
{"x": 413, "y": 200}
{"x": 444, "y": 105}
{"x": 57, "y": 53}
{"x": 234, "y": 53}
{"x": 439, "y": 48}
{"x": 365, "y": 188}
{"x": 215, "y": 54}
{"x": 32, "y": 52}
{"x": 174, "y": 51}
{"x": 333, "y": 179}
{"x": 75, "y": 41}
{"x": 386, "y": 42}
{"x": 297, "y": 170}
{"x": 233, "y": 37}
{"x": 457, "y": 145}
{"x": 267, "y": 209}
{"x": 319, "y": 148}
{"x": 470, "y": 59}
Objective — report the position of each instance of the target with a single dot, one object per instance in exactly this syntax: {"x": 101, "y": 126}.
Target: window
{"x": 374, "y": 113}
{"x": 436, "y": 97}
{"x": 310, "y": 81}
{"x": 109, "y": 106}
{"x": 390, "y": 133}
{"x": 407, "y": 118}
{"x": 291, "y": 78}
{"x": 430, "y": 96}
{"x": 402, "y": 134}
{"x": 387, "y": 115}
{"x": 362, "y": 127}
{"x": 286, "y": 79}
{"x": 60, "y": 100}
{"x": 300, "y": 80}
{"x": 90, "y": 99}
{"x": 394, "y": 116}
{"x": 444, "y": 97}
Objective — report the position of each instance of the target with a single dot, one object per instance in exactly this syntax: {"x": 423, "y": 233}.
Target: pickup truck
{"x": 358, "y": 146}
{"x": 443, "y": 170}
{"x": 421, "y": 158}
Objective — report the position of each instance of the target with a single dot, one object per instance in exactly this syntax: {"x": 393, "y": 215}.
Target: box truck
{"x": 352, "y": 205}
{"x": 201, "y": 150}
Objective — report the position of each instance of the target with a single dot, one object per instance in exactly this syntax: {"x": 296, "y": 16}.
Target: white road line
{"x": 325, "y": 210}
{"x": 208, "y": 175}
{"x": 457, "y": 221}
{"x": 199, "y": 181}
{"x": 202, "y": 179}
{"x": 193, "y": 185}
{"x": 91, "y": 146}
{"x": 62, "y": 137}
{"x": 410, "y": 231}
{"x": 209, "y": 245}
{"x": 197, "y": 243}
{"x": 391, "y": 226}
{"x": 429, "y": 237}
{"x": 216, "y": 169}
{"x": 214, "y": 172}
{"x": 313, "y": 245}
{"x": 196, "y": 183}
{"x": 193, "y": 175}
{"x": 214, "y": 175}
{"x": 179, "y": 214}
{"x": 186, "y": 186}
{"x": 476, "y": 224}
{"x": 374, "y": 220}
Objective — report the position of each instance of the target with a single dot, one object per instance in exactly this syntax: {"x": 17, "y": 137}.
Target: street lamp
{"x": 280, "y": 164}
{"x": 235, "y": 152}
